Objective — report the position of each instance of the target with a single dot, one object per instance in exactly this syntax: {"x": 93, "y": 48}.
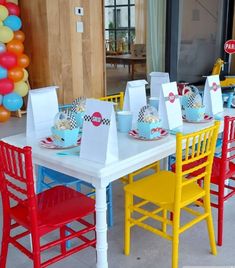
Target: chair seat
{"x": 160, "y": 189}
{"x": 56, "y": 207}
{"x": 60, "y": 177}
{"x": 215, "y": 175}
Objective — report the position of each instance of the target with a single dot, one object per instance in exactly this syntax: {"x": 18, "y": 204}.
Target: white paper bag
{"x": 41, "y": 110}
{"x": 212, "y": 98}
{"x": 99, "y": 133}
{"x": 156, "y": 80}
{"x": 135, "y": 97}
{"x": 169, "y": 106}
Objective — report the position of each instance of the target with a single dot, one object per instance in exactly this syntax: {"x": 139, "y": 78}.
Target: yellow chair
{"x": 117, "y": 98}
{"x": 172, "y": 192}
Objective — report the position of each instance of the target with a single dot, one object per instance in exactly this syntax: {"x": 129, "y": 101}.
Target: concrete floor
{"x": 147, "y": 249}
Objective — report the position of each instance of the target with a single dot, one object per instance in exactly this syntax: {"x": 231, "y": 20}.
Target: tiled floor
{"x": 147, "y": 250}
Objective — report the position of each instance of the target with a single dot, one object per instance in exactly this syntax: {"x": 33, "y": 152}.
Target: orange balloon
{"x": 15, "y": 46}
{"x": 19, "y": 35}
{"x": 16, "y": 74}
{"x": 4, "y": 114}
{"x": 23, "y": 61}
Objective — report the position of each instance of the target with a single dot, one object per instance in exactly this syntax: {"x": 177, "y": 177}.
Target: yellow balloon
{"x": 21, "y": 88}
{"x": 1, "y": 23}
{"x": 6, "y": 34}
{"x": 3, "y": 12}
{"x": 26, "y": 75}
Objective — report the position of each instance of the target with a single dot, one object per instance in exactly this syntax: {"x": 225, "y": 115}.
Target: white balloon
{"x": 2, "y": 47}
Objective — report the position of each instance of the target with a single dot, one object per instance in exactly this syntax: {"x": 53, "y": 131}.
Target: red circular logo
{"x": 214, "y": 86}
{"x": 96, "y": 119}
{"x": 229, "y": 46}
{"x": 171, "y": 97}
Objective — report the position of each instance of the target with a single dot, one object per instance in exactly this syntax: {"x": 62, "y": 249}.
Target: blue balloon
{"x": 3, "y": 72}
{"x": 13, "y": 22}
{"x": 1, "y": 97}
{"x": 12, "y": 102}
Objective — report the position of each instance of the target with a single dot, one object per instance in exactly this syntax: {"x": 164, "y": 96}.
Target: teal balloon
{"x": 1, "y": 97}
{"x": 12, "y": 102}
{"x": 13, "y": 22}
{"x": 3, "y": 72}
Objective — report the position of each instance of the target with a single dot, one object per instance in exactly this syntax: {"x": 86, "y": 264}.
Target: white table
{"x": 133, "y": 154}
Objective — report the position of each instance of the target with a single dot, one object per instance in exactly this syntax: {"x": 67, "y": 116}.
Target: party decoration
{"x": 6, "y": 34}
{"x": 19, "y": 35}
{"x": 8, "y": 60}
{"x": 15, "y": 46}
{"x": 12, "y": 102}
{"x": 3, "y": 72}
{"x": 4, "y": 114}
{"x": 13, "y": 61}
{"x": 6, "y": 86}
{"x": 16, "y": 74}
{"x": 2, "y": 47}
{"x": 13, "y": 22}
{"x": 23, "y": 61}
{"x": 21, "y": 88}
{"x": 13, "y": 9}
{"x": 3, "y": 12}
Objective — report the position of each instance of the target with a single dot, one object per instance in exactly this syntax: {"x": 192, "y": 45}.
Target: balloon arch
{"x": 13, "y": 61}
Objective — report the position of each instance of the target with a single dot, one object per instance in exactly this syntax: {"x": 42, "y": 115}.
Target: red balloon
{"x": 4, "y": 114}
{"x": 8, "y": 60}
{"x": 2, "y": 2}
{"x": 6, "y": 86}
{"x": 13, "y": 9}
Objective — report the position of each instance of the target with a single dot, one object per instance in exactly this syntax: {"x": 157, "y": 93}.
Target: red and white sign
{"x": 96, "y": 119}
{"x": 229, "y": 46}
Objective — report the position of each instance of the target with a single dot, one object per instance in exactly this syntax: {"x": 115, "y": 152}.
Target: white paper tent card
{"x": 99, "y": 133}
{"x": 212, "y": 98}
{"x": 135, "y": 97}
{"x": 169, "y": 106}
{"x": 156, "y": 81}
{"x": 41, "y": 110}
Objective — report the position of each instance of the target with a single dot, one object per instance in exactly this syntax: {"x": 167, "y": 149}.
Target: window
{"x": 120, "y": 24}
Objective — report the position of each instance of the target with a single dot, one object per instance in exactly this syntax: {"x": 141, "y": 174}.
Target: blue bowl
{"x": 194, "y": 113}
{"x": 65, "y": 137}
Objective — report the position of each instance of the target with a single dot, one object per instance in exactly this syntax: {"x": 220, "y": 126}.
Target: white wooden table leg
{"x": 101, "y": 228}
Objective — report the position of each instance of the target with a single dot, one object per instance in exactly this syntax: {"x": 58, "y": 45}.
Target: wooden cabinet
{"x": 59, "y": 54}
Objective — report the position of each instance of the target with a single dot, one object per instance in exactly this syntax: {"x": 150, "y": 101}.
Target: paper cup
{"x": 124, "y": 121}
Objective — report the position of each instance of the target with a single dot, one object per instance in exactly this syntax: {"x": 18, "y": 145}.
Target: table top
{"x": 139, "y": 154}
{"x": 126, "y": 57}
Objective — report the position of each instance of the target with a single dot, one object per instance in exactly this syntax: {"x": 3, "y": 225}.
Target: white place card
{"x": 169, "y": 106}
{"x": 135, "y": 97}
{"x": 212, "y": 98}
{"x": 156, "y": 81}
{"x": 41, "y": 110}
{"x": 99, "y": 133}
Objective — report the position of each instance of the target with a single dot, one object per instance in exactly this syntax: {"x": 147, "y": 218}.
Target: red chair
{"x": 40, "y": 214}
{"x": 224, "y": 169}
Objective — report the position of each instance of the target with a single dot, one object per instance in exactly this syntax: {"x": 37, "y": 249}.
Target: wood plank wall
{"x": 61, "y": 56}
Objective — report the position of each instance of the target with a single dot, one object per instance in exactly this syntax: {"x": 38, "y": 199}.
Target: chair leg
{"x": 5, "y": 241}
{"x": 110, "y": 205}
{"x": 164, "y": 225}
{"x": 63, "y": 244}
{"x": 175, "y": 242}
{"x": 36, "y": 253}
{"x": 220, "y": 219}
{"x": 128, "y": 203}
{"x": 210, "y": 226}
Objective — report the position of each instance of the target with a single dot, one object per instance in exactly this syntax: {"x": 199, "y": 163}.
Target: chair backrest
{"x": 217, "y": 66}
{"x": 117, "y": 98}
{"x": 228, "y": 147}
{"x": 138, "y": 50}
{"x": 16, "y": 178}
{"x": 197, "y": 147}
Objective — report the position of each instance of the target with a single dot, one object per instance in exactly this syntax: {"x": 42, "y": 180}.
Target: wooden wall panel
{"x": 61, "y": 56}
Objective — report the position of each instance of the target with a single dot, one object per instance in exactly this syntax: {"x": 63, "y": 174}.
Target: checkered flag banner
{"x": 194, "y": 98}
{"x": 142, "y": 113}
{"x": 72, "y": 119}
{"x": 78, "y": 105}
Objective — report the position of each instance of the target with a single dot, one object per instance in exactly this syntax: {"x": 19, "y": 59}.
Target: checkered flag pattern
{"x": 105, "y": 122}
{"x": 142, "y": 113}
{"x": 194, "y": 98}
{"x": 87, "y": 118}
{"x": 72, "y": 119}
{"x": 76, "y": 103}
